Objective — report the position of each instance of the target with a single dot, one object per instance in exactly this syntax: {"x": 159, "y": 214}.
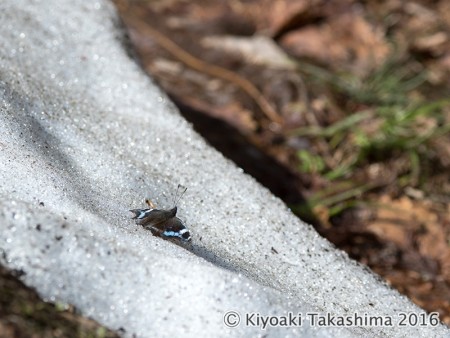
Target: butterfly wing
{"x": 141, "y": 214}
{"x": 175, "y": 228}
{"x": 149, "y": 217}
{"x": 162, "y": 223}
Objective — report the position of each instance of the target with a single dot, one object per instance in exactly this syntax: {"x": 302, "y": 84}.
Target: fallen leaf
{"x": 346, "y": 42}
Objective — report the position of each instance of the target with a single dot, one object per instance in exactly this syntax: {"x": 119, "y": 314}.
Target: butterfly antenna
{"x": 180, "y": 192}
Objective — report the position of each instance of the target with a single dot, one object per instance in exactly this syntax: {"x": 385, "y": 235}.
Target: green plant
{"x": 394, "y": 125}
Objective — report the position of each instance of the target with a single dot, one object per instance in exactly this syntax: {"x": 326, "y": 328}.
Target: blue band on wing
{"x": 171, "y": 234}
{"x": 144, "y": 213}
{"x": 183, "y": 234}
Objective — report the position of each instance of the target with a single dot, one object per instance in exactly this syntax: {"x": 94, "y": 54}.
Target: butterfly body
{"x": 162, "y": 223}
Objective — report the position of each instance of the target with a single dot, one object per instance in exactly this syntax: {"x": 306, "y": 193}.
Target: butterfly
{"x": 161, "y": 222}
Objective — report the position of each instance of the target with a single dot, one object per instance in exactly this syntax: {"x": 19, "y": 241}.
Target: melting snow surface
{"x": 85, "y": 136}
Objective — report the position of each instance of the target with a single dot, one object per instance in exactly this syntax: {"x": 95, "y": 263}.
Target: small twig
{"x": 132, "y": 20}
